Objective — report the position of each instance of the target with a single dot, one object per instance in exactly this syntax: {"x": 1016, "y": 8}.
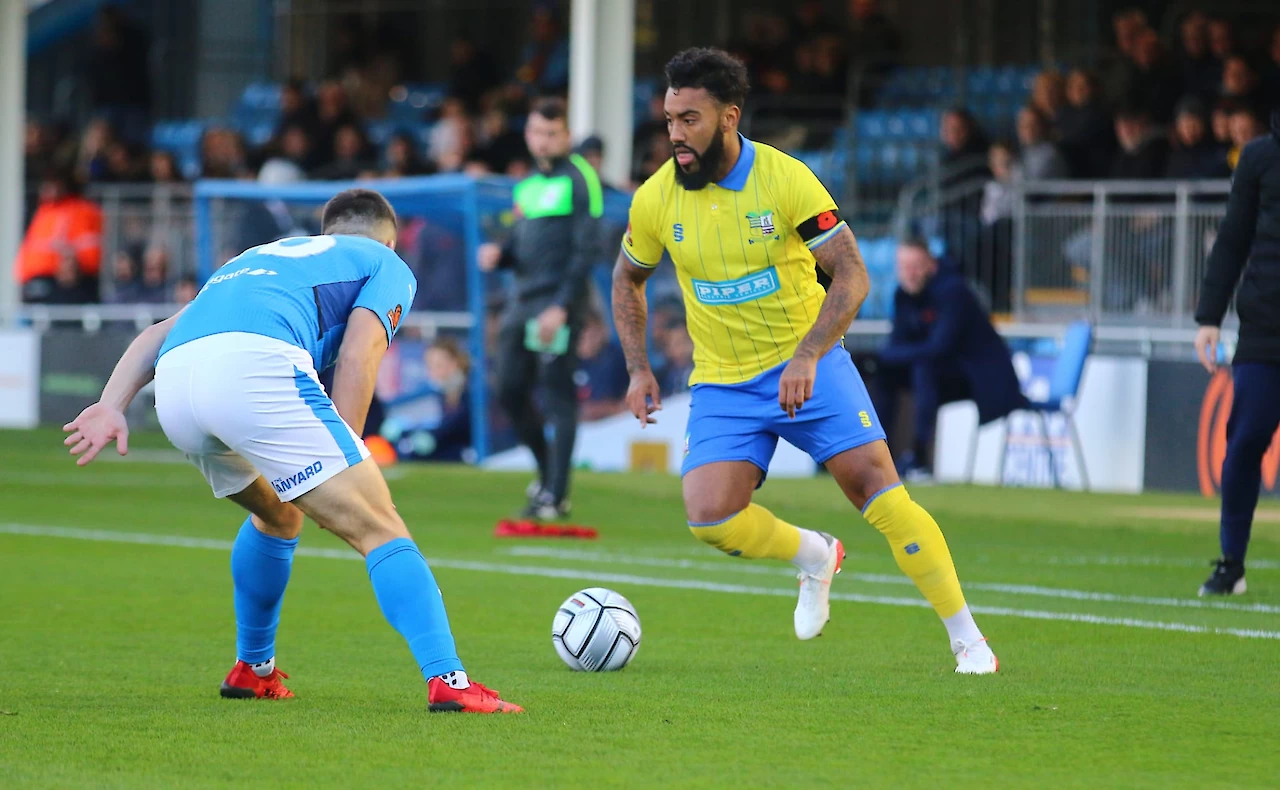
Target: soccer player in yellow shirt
{"x": 744, "y": 224}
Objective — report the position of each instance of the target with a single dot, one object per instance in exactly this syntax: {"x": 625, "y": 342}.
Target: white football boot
{"x": 813, "y": 610}
{"x": 975, "y": 658}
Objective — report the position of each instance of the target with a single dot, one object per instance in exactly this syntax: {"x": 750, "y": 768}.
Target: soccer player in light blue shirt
{"x": 237, "y": 391}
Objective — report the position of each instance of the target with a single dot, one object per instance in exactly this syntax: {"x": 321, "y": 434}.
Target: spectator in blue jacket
{"x": 942, "y": 348}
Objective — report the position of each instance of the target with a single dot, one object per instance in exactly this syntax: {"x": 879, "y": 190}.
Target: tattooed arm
{"x": 630, "y": 317}
{"x": 838, "y": 257}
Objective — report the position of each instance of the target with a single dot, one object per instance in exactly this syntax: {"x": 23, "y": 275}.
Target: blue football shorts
{"x": 743, "y": 422}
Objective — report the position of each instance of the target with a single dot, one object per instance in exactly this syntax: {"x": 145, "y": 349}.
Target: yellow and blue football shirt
{"x": 743, "y": 254}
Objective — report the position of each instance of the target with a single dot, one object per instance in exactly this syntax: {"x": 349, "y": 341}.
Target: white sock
{"x": 265, "y": 668}
{"x": 813, "y": 553}
{"x": 457, "y": 680}
{"x": 960, "y": 626}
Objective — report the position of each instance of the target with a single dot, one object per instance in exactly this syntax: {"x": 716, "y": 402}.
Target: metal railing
{"x": 91, "y": 317}
{"x": 140, "y": 217}
{"x": 1121, "y": 252}
{"x": 1118, "y": 252}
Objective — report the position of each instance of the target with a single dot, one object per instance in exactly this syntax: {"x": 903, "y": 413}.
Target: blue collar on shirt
{"x": 737, "y": 178}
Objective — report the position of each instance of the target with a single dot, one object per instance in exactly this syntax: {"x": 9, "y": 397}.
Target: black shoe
{"x": 546, "y": 508}
{"x": 1227, "y": 578}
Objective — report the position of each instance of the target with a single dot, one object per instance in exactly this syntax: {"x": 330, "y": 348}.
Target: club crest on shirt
{"x": 760, "y": 226}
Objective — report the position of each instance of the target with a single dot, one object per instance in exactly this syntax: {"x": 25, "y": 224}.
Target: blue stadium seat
{"x": 922, "y": 124}
{"x": 642, "y": 92}
{"x": 896, "y": 124}
{"x": 182, "y": 139}
{"x": 258, "y": 134}
{"x": 1027, "y": 78}
{"x": 910, "y": 163}
{"x": 1008, "y": 81}
{"x": 870, "y": 124}
{"x": 888, "y": 155}
{"x": 981, "y": 82}
{"x": 864, "y": 155}
{"x": 379, "y": 132}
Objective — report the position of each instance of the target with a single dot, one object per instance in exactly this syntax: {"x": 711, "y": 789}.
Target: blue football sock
{"x": 260, "y": 566}
{"x": 411, "y": 602}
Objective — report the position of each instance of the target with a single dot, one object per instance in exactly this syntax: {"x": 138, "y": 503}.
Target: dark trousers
{"x": 520, "y": 374}
{"x": 1255, "y": 415}
{"x": 932, "y": 383}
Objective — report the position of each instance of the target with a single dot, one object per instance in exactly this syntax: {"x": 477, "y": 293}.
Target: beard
{"x": 709, "y": 163}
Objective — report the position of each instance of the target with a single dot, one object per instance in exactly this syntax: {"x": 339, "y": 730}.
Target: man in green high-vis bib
{"x": 555, "y": 242}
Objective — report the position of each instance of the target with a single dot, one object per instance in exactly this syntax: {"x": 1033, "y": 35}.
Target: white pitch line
{"x": 1180, "y": 562}
{"x": 877, "y": 578}
{"x": 150, "y": 539}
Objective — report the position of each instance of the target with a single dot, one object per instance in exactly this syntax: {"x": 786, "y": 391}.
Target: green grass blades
{"x": 116, "y": 628}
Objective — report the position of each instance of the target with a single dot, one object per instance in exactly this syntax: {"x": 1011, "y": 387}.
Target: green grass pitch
{"x": 116, "y": 628}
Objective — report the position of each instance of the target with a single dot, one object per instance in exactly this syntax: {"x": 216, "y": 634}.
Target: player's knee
{"x": 369, "y": 528}
{"x": 284, "y": 522}
{"x": 713, "y": 507}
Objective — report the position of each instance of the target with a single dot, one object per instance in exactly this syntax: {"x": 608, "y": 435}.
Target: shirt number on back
{"x": 298, "y": 247}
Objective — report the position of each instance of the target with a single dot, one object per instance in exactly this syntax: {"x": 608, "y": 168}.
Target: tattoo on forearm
{"x": 631, "y": 312}
{"x": 840, "y": 258}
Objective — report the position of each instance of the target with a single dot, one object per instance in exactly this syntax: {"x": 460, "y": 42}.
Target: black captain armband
{"x": 816, "y": 230}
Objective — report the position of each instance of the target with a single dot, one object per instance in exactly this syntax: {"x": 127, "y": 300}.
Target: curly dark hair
{"x": 721, "y": 74}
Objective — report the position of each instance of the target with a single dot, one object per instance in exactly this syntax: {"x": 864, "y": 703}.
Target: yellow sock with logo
{"x": 919, "y": 548}
{"x": 754, "y": 533}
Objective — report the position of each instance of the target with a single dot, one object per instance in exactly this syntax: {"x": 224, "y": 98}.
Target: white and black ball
{"x": 596, "y": 630}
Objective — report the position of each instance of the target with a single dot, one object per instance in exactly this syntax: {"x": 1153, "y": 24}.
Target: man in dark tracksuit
{"x": 944, "y": 349}
{"x": 1248, "y": 241}
{"x": 554, "y": 244}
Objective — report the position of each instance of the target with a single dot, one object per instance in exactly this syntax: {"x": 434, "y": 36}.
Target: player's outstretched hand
{"x": 643, "y": 397}
{"x": 796, "y": 385}
{"x": 1207, "y": 338}
{"x": 94, "y": 429}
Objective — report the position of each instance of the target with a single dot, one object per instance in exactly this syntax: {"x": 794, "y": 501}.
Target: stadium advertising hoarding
{"x": 619, "y": 444}
{"x": 74, "y": 367}
{"x": 19, "y": 376}
{"x": 1187, "y": 412}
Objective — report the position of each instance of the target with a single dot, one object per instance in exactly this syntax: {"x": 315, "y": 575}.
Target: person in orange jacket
{"x": 66, "y": 229}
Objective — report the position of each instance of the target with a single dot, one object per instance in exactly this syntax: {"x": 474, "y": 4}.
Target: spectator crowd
{"x": 1152, "y": 110}
{"x": 1179, "y": 108}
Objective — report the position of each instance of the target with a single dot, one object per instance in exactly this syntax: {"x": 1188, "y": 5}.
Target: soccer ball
{"x": 596, "y": 630}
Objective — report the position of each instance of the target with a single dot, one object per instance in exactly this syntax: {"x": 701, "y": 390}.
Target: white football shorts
{"x": 242, "y": 405}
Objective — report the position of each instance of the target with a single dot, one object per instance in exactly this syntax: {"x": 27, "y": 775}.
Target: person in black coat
{"x": 1248, "y": 242}
{"x": 944, "y": 349}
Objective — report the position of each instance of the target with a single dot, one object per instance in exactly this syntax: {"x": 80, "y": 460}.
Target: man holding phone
{"x": 554, "y": 244}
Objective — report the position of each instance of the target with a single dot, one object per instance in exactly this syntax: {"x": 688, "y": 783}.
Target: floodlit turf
{"x": 112, "y": 651}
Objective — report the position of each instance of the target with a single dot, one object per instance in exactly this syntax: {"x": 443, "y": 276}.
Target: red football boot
{"x": 242, "y": 683}
{"x": 443, "y": 698}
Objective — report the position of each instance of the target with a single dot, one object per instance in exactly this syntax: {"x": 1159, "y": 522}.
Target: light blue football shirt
{"x": 301, "y": 291}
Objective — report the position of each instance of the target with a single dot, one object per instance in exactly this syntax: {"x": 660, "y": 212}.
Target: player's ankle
{"x": 961, "y": 627}
{"x": 263, "y": 669}
{"x": 813, "y": 553}
{"x": 455, "y": 680}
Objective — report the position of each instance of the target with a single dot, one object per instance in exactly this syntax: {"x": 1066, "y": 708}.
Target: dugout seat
{"x": 1064, "y": 392}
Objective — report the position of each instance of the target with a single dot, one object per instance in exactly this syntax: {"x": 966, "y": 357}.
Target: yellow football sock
{"x": 919, "y": 548}
{"x": 754, "y": 533}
